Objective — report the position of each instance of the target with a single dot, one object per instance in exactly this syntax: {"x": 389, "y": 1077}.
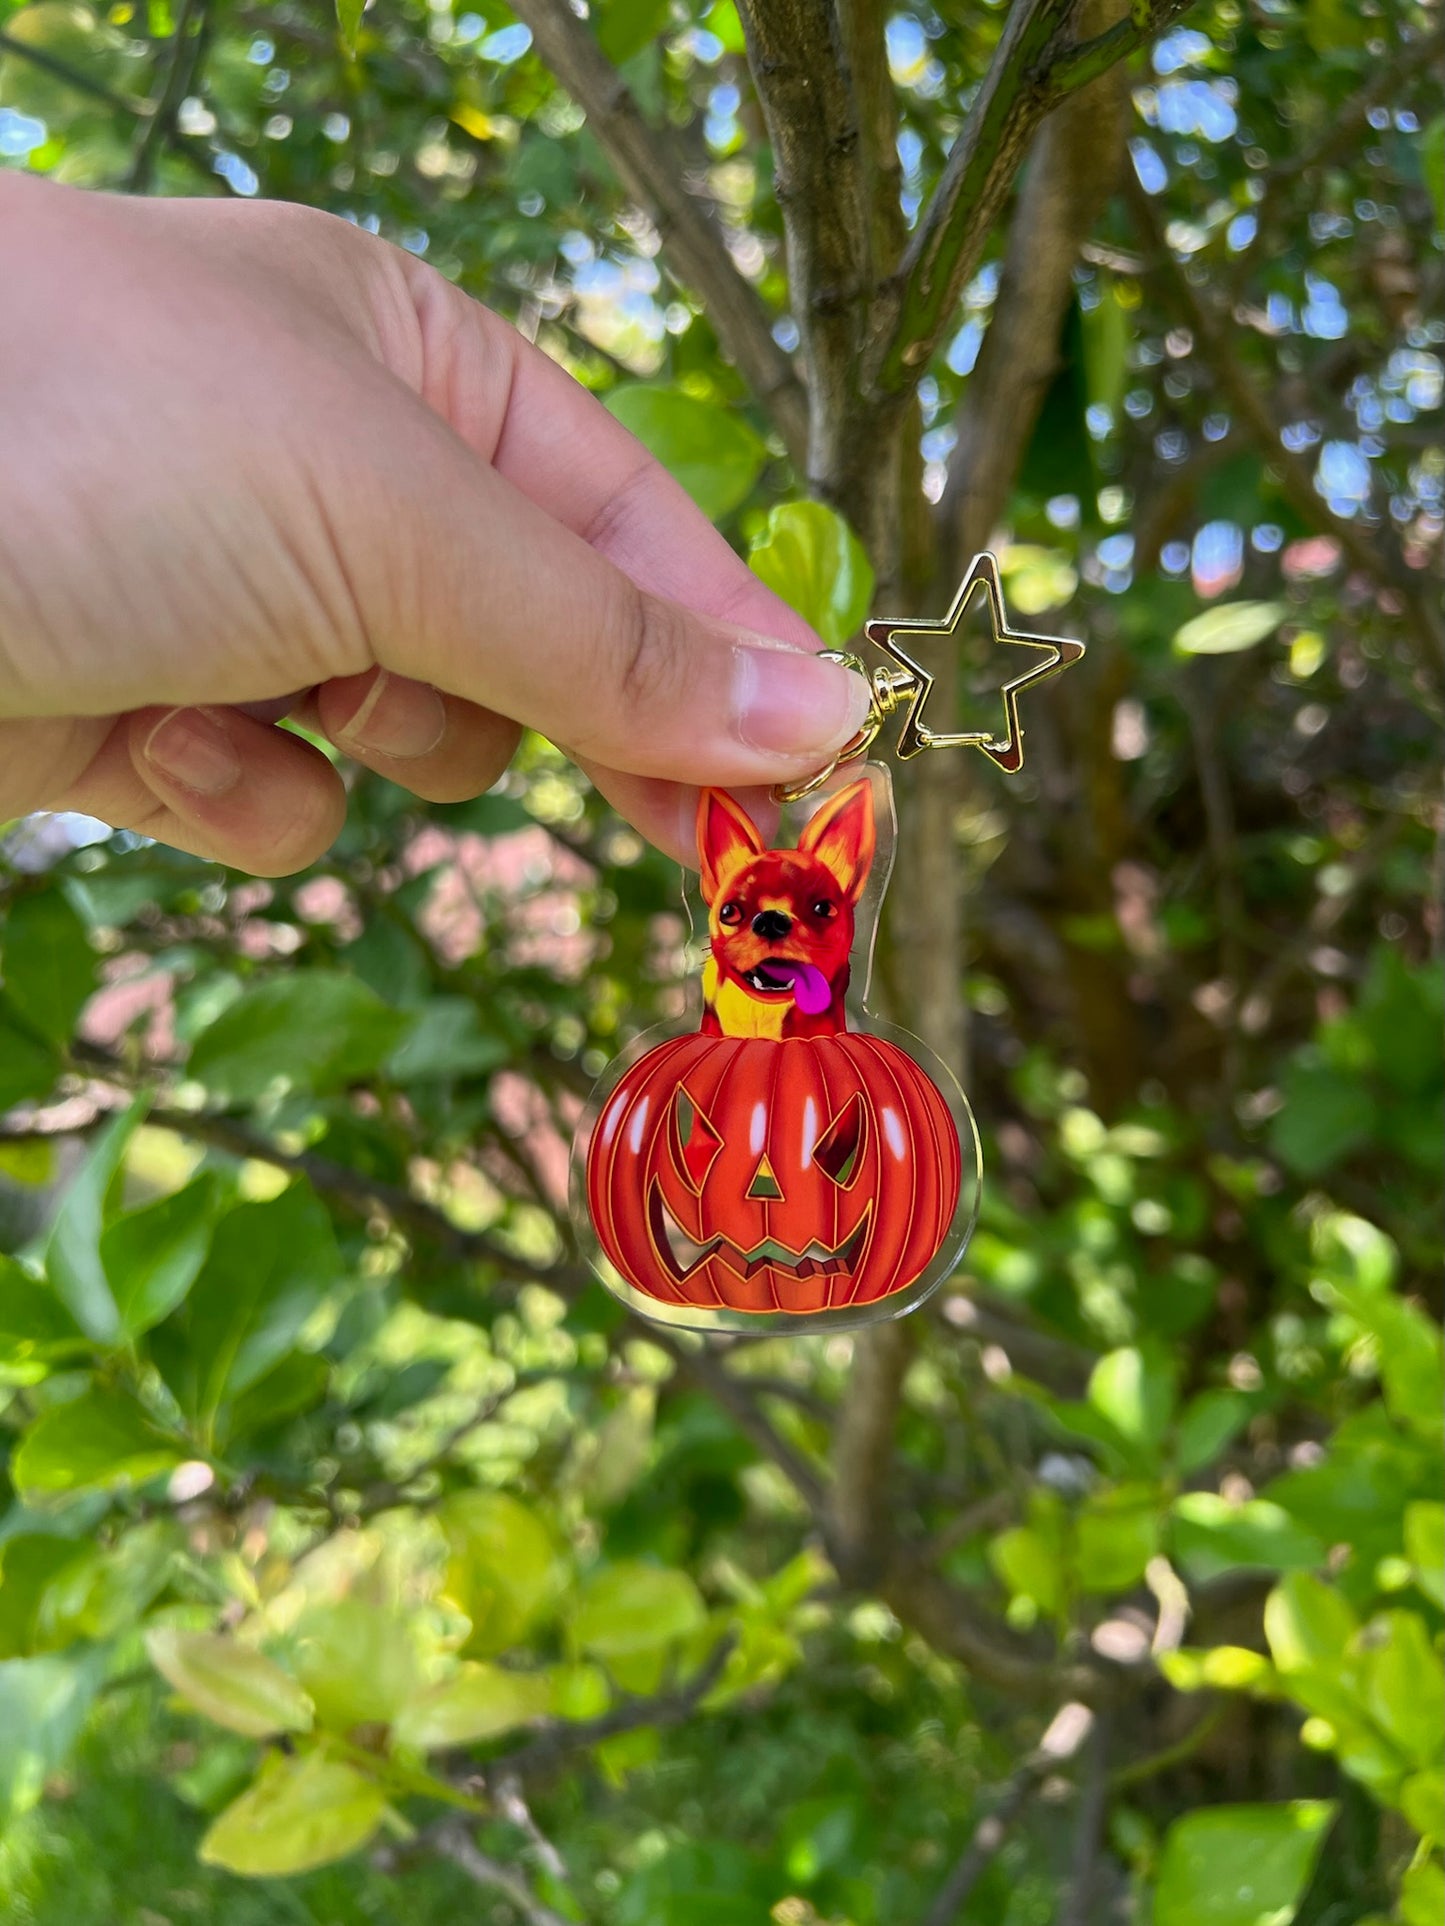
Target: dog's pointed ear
{"x": 843, "y": 835}
{"x": 727, "y": 836}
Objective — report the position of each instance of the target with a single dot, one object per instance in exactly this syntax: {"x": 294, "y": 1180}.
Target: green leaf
{"x": 631, "y": 1607}
{"x": 1239, "y": 1865}
{"x": 43, "y": 1703}
{"x": 235, "y": 1687}
{"x": 1206, "y": 1425}
{"x": 348, "y": 19}
{"x": 72, "y": 1255}
{"x": 1432, "y": 167}
{"x": 1117, "y": 1535}
{"x": 300, "y": 1813}
{"x": 477, "y": 1702}
{"x": 359, "y": 1662}
{"x": 315, "y": 1030}
{"x": 1212, "y": 1536}
{"x": 1422, "y": 1800}
{"x": 1227, "y": 629}
{"x": 1425, "y": 1548}
{"x": 27, "y": 1067}
{"x": 101, "y": 1592}
{"x": 1326, "y": 1114}
{"x": 48, "y": 964}
{"x": 1029, "y": 1567}
{"x": 100, "y": 1439}
{"x": 445, "y": 1042}
{"x": 33, "y": 1321}
{"x": 1308, "y": 1624}
{"x": 715, "y": 455}
{"x": 627, "y": 26}
{"x": 1411, "y": 1355}
{"x": 808, "y": 555}
{"x": 269, "y": 1267}
{"x": 1105, "y": 329}
{"x": 1422, "y": 1894}
{"x": 153, "y": 1256}
{"x": 28, "y": 1564}
{"x": 1133, "y": 1389}
{"x": 503, "y": 1569}
{"x": 1404, "y": 1685}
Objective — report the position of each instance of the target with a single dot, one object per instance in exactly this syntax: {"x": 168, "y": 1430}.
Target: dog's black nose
{"x": 772, "y": 924}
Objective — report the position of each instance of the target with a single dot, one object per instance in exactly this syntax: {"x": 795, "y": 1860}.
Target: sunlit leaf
{"x": 1239, "y": 1865}
{"x": 47, "y": 963}
{"x": 476, "y": 1702}
{"x": 808, "y": 555}
{"x": 299, "y": 1814}
{"x": 1229, "y": 628}
{"x": 236, "y": 1687}
{"x": 100, "y": 1439}
{"x": 714, "y": 454}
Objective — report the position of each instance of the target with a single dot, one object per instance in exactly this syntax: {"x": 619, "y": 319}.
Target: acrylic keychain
{"x": 786, "y": 1160}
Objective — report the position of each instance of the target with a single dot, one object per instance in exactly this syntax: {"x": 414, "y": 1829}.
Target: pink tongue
{"x": 810, "y": 989}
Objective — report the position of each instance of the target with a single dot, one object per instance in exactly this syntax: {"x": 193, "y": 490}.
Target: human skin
{"x": 254, "y": 458}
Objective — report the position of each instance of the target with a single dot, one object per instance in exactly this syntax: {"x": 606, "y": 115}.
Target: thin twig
{"x": 551, "y": 1743}
{"x": 182, "y": 70}
{"x": 1422, "y": 620}
{"x": 1035, "y": 65}
{"x": 1169, "y": 1756}
{"x": 652, "y": 169}
{"x": 453, "y": 1840}
{"x": 1066, "y": 1733}
{"x": 1078, "y": 1894}
{"x": 198, "y": 155}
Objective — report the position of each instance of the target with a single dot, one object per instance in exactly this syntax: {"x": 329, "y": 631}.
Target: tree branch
{"x": 1391, "y": 81}
{"x": 862, "y": 24}
{"x": 1030, "y": 72}
{"x": 1087, "y": 60}
{"x": 1423, "y": 621}
{"x": 1072, "y": 169}
{"x": 199, "y": 156}
{"x": 453, "y": 1840}
{"x": 653, "y": 170}
{"x": 187, "y": 51}
{"x": 554, "y": 1742}
{"x": 860, "y": 1523}
{"x": 800, "y": 70}
{"x": 1068, "y": 1730}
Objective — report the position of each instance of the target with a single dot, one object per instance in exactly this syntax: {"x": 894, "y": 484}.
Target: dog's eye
{"x": 730, "y": 913}
{"x": 825, "y": 907}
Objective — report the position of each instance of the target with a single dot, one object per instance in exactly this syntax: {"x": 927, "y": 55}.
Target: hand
{"x": 250, "y": 450}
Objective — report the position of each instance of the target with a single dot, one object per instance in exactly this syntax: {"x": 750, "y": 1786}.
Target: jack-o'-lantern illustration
{"x": 775, "y": 1161}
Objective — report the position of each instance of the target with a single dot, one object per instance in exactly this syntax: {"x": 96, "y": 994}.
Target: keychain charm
{"x": 788, "y": 1161}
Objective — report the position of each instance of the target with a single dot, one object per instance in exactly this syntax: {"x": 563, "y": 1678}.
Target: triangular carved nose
{"x": 764, "y": 1184}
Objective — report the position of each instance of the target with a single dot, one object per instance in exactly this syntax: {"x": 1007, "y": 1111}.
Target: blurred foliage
{"x": 337, "y": 1502}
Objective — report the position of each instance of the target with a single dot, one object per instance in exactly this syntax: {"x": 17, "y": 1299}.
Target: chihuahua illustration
{"x": 781, "y": 920}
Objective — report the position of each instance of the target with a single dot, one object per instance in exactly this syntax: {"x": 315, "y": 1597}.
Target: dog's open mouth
{"x": 684, "y": 1254}
{"x": 781, "y": 976}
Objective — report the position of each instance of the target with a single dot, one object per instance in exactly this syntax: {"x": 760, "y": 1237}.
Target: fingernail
{"x": 395, "y": 718}
{"x": 786, "y": 703}
{"x": 192, "y": 747}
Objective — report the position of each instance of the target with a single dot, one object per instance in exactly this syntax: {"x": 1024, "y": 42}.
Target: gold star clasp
{"x": 909, "y": 682}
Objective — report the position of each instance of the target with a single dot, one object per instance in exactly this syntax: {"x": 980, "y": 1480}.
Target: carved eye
{"x": 730, "y": 913}
{"x": 697, "y": 1141}
{"x": 836, "y": 1151}
{"x": 825, "y": 908}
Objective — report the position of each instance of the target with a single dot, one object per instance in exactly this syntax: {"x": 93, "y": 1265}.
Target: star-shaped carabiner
{"x": 1006, "y": 750}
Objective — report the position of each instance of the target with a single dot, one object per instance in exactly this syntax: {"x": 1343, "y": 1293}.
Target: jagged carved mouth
{"x": 683, "y": 1254}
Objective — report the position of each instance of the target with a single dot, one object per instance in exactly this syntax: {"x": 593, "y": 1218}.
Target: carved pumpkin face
{"x": 805, "y": 1174}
